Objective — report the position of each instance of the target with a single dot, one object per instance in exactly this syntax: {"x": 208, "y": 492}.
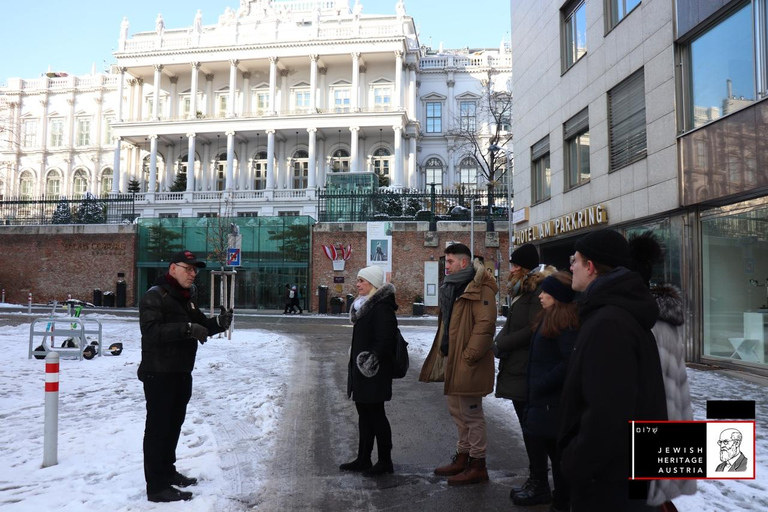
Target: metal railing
{"x": 111, "y": 209}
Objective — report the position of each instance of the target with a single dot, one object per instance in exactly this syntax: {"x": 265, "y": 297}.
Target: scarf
{"x": 176, "y": 286}
{"x": 453, "y": 286}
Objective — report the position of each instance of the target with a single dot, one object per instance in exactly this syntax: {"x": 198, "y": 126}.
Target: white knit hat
{"x": 373, "y": 274}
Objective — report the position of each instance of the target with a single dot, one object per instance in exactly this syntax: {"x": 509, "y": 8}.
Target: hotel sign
{"x": 588, "y": 217}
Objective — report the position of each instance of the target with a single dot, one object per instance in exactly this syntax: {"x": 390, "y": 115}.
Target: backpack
{"x": 401, "y": 362}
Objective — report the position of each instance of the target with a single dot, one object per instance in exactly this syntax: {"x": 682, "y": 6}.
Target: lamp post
{"x": 493, "y": 148}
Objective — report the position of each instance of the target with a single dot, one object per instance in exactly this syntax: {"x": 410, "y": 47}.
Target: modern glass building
{"x": 275, "y": 251}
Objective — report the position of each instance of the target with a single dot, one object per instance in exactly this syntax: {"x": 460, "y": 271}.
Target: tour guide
{"x": 171, "y": 326}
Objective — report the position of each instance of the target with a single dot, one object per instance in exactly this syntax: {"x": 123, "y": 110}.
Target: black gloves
{"x": 225, "y": 317}
{"x": 198, "y": 332}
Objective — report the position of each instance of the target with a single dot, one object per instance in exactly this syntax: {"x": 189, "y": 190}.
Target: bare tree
{"x": 489, "y": 124}
{"x": 217, "y": 233}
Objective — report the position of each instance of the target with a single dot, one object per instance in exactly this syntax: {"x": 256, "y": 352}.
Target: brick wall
{"x": 412, "y": 245}
{"x": 53, "y": 261}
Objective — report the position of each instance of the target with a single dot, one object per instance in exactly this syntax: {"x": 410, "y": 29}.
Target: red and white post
{"x": 3, "y": 299}
{"x": 51, "y": 429}
{"x": 29, "y": 303}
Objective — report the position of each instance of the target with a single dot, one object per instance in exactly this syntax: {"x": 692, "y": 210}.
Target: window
{"x": 222, "y": 101}
{"x": 53, "y": 184}
{"x": 207, "y": 215}
{"x": 300, "y": 169}
{"x": 301, "y": 99}
{"x": 433, "y": 173}
{"x": 260, "y": 101}
{"x": 540, "y": 171}
{"x": 185, "y": 104}
{"x": 30, "y": 134}
{"x": 79, "y": 184}
{"x": 340, "y": 161}
{"x": 617, "y": 10}
{"x": 722, "y": 69}
{"x": 576, "y": 135}
{"x": 160, "y": 106}
{"x": 259, "y": 168}
{"x": 626, "y": 115}
{"x": 168, "y": 215}
{"x": 341, "y": 100}
{"x": 468, "y": 173}
{"x": 57, "y": 133}
{"x": 26, "y": 184}
{"x": 247, "y": 214}
{"x": 288, "y": 214}
{"x": 106, "y": 181}
{"x": 220, "y": 170}
{"x": 574, "y": 33}
{"x": 83, "y": 131}
{"x": 382, "y": 98}
{"x": 434, "y": 117}
{"x": 108, "y": 120}
{"x": 381, "y": 159}
{"x": 467, "y": 111}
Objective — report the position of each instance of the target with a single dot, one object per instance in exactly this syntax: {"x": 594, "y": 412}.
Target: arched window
{"x": 381, "y": 163}
{"x": 106, "y": 181}
{"x": 340, "y": 161}
{"x": 468, "y": 173}
{"x": 300, "y": 169}
{"x": 433, "y": 173}
{"x": 79, "y": 184}
{"x": 259, "y": 169}
{"x": 26, "y": 184}
{"x": 53, "y": 184}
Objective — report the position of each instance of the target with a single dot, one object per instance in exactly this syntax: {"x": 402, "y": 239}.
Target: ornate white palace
{"x": 267, "y": 102}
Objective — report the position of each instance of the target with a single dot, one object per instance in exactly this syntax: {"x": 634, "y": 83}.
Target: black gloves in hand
{"x": 225, "y": 317}
{"x": 198, "y": 332}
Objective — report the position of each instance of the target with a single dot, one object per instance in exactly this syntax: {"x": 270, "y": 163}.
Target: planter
{"x": 418, "y": 309}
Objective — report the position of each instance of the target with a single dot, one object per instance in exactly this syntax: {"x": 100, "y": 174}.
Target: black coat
{"x": 164, "y": 315}
{"x": 614, "y": 376}
{"x": 375, "y": 329}
{"x": 547, "y": 365}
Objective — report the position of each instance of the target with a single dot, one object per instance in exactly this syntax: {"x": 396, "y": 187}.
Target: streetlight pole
{"x": 493, "y": 148}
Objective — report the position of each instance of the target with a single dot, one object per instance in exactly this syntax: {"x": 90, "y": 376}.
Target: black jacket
{"x": 375, "y": 328}
{"x": 164, "y": 315}
{"x": 547, "y": 365}
{"x": 614, "y": 376}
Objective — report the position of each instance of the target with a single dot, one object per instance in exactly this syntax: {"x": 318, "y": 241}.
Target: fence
{"x": 112, "y": 209}
{"x": 409, "y": 204}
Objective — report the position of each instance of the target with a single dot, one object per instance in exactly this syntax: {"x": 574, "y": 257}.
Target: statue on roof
{"x": 357, "y": 8}
{"x": 400, "y": 8}
{"x": 124, "y": 28}
{"x": 198, "y": 26}
{"x": 159, "y": 24}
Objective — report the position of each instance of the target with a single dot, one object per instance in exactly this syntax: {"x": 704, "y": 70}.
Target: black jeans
{"x": 373, "y": 423}
{"x": 539, "y": 449}
{"x": 520, "y": 406}
{"x": 167, "y": 397}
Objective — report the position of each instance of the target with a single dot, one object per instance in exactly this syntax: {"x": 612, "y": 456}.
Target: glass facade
{"x": 734, "y": 259}
{"x": 274, "y": 251}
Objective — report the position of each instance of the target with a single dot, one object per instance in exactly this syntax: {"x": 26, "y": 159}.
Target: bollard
{"x": 51, "y": 429}
{"x": 29, "y": 303}
{"x": 2, "y": 300}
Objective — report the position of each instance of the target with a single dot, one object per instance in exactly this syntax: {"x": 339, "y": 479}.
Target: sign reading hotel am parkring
{"x": 574, "y": 221}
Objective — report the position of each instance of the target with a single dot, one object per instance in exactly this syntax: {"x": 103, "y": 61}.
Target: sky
{"x": 72, "y": 36}
{"x": 101, "y": 413}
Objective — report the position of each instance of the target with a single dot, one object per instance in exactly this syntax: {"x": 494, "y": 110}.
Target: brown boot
{"x": 459, "y": 463}
{"x": 474, "y": 474}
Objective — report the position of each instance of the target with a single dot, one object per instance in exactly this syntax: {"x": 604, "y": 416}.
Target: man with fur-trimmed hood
{"x": 461, "y": 357}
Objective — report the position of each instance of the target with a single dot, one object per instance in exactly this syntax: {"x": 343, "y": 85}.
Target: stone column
{"x": 323, "y": 91}
{"x": 152, "y": 164}
{"x": 140, "y": 103}
{"x": 95, "y": 141}
{"x": 230, "y": 183}
{"x": 449, "y": 108}
{"x": 363, "y": 88}
{"x": 120, "y": 87}
{"x": 242, "y": 163}
{"x": 283, "y": 97}
{"x": 156, "y": 92}
{"x": 451, "y": 178}
{"x": 116, "y": 166}
{"x": 232, "y": 87}
{"x": 412, "y": 91}
{"x": 313, "y": 83}
{"x": 353, "y": 145}
{"x": 312, "y": 170}
{"x": 414, "y": 178}
{"x": 272, "y": 84}
{"x": 321, "y": 162}
{"x": 170, "y": 157}
{"x": 398, "y": 163}
{"x": 246, "y": 92}
{"x": 191, "y": 162}
{"x": 284, "y": 164}
{"x": 355, "y": 81}
{"x": 44, "y": 122}
{"x": 270, "y": 159}
{"x": 193, "y": 90}
{"x": 209, "y": 110}
{"x": 174, "y": 106}
{"x": 205, "y": 168}
{"x": 398, "y": 79}
{"x": 71, "y": 134}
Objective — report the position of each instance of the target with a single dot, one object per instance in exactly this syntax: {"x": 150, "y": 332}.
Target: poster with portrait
{"x": 379, "y": 245}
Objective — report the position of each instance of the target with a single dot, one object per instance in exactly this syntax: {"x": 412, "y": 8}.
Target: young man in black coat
{"x": 171, "y": 326}
{"x": 614, "y": 375}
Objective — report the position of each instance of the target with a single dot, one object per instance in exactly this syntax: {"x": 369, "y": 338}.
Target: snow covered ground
{"x": 238, "y": 396}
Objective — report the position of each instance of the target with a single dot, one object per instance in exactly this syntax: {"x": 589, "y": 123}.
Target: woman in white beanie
{"x": 369, "y": 378}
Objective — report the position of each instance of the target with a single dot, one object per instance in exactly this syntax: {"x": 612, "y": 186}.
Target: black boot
{"x": 537, "y": 493}
{"x": 356, "y": 465}
{"x": 169, "y": 494}
{"x": 180, "y": 480}
{"x": 517, "y": 488}
{"x": 380, "y": 468}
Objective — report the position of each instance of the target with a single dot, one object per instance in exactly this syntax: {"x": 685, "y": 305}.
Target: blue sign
{"x": 233, "y": 257}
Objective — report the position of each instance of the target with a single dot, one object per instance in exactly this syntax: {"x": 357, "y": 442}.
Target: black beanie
{"x": 605, "y": 246}
{"x": 525, "y": 256}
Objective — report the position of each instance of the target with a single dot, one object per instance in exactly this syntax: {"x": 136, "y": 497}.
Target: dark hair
{"x": 561, "y": 315}
{"x": 459, "y": 249}
{"x": 646, "y": 250}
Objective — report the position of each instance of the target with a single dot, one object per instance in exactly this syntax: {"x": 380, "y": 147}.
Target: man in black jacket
{"x": 171, "y": 326}
{"x": 614, "y": 375}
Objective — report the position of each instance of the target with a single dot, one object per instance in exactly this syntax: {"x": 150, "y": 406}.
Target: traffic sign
{"x": 233, "y": 257}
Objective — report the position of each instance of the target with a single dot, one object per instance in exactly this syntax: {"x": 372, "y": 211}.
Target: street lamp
{"x": 493, "y": 148}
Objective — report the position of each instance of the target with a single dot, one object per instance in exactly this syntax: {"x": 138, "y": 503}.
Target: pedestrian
{"x": 288, "y": 298}
{"x": 647, "y": 251}
{"x": 462, "y": 358}
{"x": 369, "y": 375}
{"x": 511, "y": 347}
{"x": 171, "y": 326}
{"x": 614, "y": 375}
{"x": 295, "y": 302}
{"x": 556, "y": 328}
